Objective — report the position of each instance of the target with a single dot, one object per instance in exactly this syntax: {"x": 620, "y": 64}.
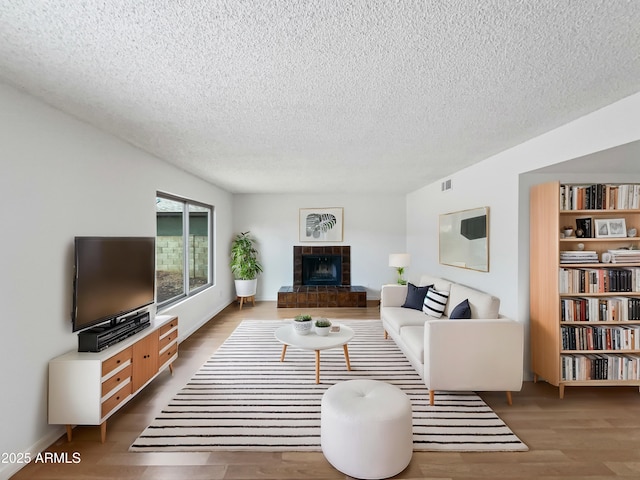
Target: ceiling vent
{"x": 446, "y": 185}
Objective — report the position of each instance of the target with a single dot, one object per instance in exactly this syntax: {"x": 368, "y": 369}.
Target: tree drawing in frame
{"x": 321, "y": 224}
{"x": 610, "y": 227}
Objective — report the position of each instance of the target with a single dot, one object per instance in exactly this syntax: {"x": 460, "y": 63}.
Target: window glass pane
{"x": 198, "y": 246}
{"x": 169, "y": 249}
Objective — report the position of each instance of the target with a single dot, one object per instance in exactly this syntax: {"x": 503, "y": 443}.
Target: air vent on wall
{"x": 446, "y": 185}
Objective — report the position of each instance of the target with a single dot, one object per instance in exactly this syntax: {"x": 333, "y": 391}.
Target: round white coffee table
{"x": 287, "y": 336}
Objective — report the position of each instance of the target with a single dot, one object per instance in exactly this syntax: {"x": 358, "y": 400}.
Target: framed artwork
{"x": 464, "y": 239}
{"x": 321, "y": 224}
{"x": 610, "y": 227}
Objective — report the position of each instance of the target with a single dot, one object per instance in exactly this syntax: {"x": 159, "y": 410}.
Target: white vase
{"x": 302, "y": 328}
{"x": 323, "y": 331}
{"x": 246, "y": 288}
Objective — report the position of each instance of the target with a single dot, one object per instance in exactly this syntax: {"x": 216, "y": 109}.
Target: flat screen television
{"x": 113, "y": 276}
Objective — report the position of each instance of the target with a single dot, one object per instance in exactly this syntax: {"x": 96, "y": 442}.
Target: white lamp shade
{"x": 399, "y": 260}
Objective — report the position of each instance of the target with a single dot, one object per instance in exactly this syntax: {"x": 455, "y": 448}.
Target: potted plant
{"x": 302, "y": 324}
{"x": 245, "y": 265}
{"x": 323, "y": 326}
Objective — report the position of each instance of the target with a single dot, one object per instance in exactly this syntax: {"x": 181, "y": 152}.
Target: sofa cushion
{"x": 413, "y": 337}
{"x": 435, "y": 302}
{"x": 461, "y": 311}
{"x": 395, "y": 318}
{"x": 415, "y": 296}
{"x": 482, "y": 304}
{"x": 438, "y": 283}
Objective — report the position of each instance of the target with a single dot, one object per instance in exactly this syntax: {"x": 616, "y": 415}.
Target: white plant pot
{"x": 323, "y": 331}
{"x": 303, "y": 328}
{"x": 246, "y": 288}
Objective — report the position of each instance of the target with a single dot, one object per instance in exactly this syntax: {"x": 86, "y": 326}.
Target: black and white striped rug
{"x": 244, "y": 398}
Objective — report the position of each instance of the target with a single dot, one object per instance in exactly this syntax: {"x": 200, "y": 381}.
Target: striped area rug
{"x": 244, "y": 398}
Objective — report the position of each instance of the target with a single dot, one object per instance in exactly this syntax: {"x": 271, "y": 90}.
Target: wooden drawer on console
{"x": 167, "y": 355}
{"x": 116, "y": 399}
{"x": 168, "y": 327}
{"x": 117, "y": 360}
{"x": 118, "y": 379}
{"x": 170, "y": 338}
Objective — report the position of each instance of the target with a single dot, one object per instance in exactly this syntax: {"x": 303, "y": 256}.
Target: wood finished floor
{"x": 593, "y": 433}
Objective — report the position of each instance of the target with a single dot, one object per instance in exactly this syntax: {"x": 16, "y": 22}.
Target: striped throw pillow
{"x": 435, "y": 302}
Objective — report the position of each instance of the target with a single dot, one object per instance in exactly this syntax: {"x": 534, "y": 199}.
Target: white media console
{"x": 86, "y": 388}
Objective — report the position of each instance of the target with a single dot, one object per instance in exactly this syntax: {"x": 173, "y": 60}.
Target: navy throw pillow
{"x": 462, "y": 310}
{"x": 415, "y": 296}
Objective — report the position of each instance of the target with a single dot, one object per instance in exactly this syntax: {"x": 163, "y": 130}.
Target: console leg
{"x": 103, "y": 431}
{"x": 69, "y": 432}
{"x": 171, "y": 368}
{"x": 509, "y": 399}
{"x": 432, "y": 397}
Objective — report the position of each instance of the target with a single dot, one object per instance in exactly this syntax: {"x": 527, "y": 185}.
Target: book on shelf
{"x": 606, "y": 337}
{"x": 600, "y": 367}
{"x": 578, "y": 256}
{"x": 625, "y": 256}
{"x": 599, "y": 280}
{"x": 600, "y": 197}
{"x": 595, "y": 309}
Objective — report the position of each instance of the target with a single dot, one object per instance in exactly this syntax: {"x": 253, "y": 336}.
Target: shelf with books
{"x": 585, "y": 286}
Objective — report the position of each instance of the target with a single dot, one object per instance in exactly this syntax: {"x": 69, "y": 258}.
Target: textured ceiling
{"x": 319, "y": 95}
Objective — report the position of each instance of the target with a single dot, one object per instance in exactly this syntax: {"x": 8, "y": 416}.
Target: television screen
{"x": 113, "y": 276}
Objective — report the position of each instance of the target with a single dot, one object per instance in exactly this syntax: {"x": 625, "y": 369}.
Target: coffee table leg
{"x": 346, "y": 356}
{"x": 317, "y": 366}
{"x": 284, "y": 350}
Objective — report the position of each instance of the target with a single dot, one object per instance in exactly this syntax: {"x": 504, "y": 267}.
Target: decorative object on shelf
{"x": 400, "y": 261}
{"x": 321, "y": 224}
{"x": 584, "y": 225}
{"x": 302, "y": 324}
{"x": 464, "y": 239}
{"x": 568, "y": 231}
{"x": 580, "y": 247}
{"x": 610, "y": 227}
{"x": 323, "y": 326}
{"x": 632, "y": 232}
{"x": 245, "y": 265}
{"x": 606, "y": 257}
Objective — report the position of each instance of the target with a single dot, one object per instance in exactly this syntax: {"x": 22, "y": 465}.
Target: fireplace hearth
{"x": 322, "y": 278}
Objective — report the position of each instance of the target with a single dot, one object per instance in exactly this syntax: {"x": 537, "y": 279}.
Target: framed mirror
{"x": 464, "y": 239}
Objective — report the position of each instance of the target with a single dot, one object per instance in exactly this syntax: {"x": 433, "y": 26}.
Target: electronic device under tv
{"x": 113, "y": 277}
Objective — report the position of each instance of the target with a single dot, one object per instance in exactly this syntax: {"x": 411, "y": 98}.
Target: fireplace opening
{"x": 321, "y": 269}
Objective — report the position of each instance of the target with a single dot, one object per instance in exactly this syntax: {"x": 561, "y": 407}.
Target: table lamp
{"x": 400, "y": 261}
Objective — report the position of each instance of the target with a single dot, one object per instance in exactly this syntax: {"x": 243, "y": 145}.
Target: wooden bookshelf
{"x": 549, "y": 213}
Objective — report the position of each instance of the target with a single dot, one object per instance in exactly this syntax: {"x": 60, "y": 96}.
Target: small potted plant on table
{"x": 302, "y": 324}
{"x": 323, "y": 326}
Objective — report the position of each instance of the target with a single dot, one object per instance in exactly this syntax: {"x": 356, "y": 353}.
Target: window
{"x": 183, "y": 248}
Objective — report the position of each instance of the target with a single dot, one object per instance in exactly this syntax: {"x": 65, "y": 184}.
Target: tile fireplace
{"x": 322, "y": 278}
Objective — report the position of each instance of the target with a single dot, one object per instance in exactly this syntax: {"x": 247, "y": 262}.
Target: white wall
{"x": 61, "y": 178}
{"x": 374, "y": 227}
{"x": 496, "y": 183}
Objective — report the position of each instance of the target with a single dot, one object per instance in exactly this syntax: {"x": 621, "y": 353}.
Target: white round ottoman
{"x": 366, "y": 428}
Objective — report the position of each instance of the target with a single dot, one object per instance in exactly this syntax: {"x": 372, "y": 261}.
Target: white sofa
{"x": 484, "y": 353}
